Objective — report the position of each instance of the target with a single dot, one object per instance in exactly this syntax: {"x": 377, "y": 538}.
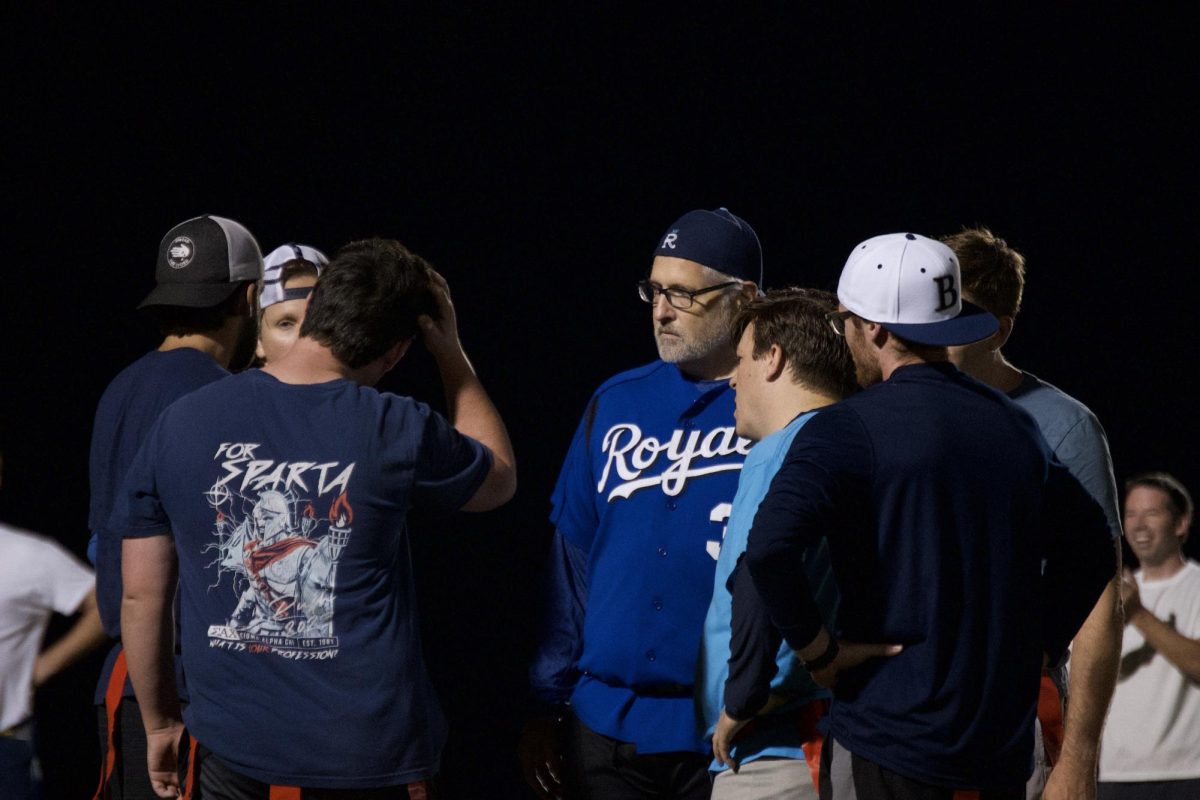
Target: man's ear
{"x": 392, "y": 357}
{"x": 876, "y": 333}
{"x": 1000, "y": 337}
{"x": 748, "y": 292}
{"x": 251, "y": 299}
{"x": 775, "y": 362}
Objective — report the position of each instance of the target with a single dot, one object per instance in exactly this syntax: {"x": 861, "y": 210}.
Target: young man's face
{"x": 280, "y": 326}
{"x": 692, "y": 334}
{"x": 748, "y": 382}
{"x": 1154, "y": 532}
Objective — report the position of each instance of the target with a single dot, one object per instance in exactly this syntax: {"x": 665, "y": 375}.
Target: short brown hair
{"x": 368, "y": 299}
{"x": 796, "y": 320}
{"x": 1177, "y": 494}
{"x": 297, "y": 267}
{"x": 993, "y": 273}
{"x": 186, "y": 320}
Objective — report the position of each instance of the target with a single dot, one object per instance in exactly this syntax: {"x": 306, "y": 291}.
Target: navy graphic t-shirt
{"x": 288, "y": 507}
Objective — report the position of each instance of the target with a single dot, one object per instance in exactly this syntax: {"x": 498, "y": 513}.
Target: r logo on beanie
{"x": 719, "y": 240}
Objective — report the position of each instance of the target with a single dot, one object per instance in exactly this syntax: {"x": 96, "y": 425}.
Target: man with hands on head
{"x": 280, "y": 497}
{"x": 965, "y": 554}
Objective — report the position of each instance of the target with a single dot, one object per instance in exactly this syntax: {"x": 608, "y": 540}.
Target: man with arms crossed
{"x": 638, "y": 510}
{"x": 281, "y": 496}
{"x": 993, "y": 276}
{"x": 1151, "y": 744}
{"x": 205, "y": 303}
{"x": 789, "y": 365}
{"x": 951, "y": 528}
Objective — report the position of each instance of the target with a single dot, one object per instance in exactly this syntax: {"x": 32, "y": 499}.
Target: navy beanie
{"x": 719, "y": 240}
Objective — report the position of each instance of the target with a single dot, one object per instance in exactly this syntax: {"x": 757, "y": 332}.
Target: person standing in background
{"x": 205, "y": 303}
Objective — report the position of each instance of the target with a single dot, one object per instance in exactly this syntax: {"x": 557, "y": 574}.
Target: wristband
{"x": 825, "y": 659}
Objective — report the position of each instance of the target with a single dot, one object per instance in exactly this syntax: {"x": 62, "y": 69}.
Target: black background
{"x": 535, "y": 158}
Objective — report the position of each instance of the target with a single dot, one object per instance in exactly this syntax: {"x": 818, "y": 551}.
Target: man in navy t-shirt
{"x": 205, "y": 304}
{"x": 281, "y": 498}
{"x": 965, "y": 554}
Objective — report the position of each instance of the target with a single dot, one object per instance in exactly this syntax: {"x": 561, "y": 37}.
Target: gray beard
{"x": 713, "y": 337}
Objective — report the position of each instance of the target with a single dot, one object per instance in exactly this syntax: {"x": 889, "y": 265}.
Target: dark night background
{"x": 534, "y": 158}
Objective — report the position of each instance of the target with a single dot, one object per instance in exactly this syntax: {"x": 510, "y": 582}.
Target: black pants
{"x": 212, "y": 779}
{"x": 131, "y": 776}
{"x": 1150, "y": 790}
{"x": 600, "y": 768}
{"x": 845, "y": 776}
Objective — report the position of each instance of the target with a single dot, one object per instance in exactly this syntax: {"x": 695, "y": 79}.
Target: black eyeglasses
{"x": 681, "y": 299}
{"x": 837, "y": 321}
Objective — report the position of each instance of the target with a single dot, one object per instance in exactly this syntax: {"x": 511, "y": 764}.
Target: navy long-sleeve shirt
{"x": 954, "y": 532}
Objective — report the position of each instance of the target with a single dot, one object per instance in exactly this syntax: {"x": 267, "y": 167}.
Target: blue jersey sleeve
{"x": 573, "y": 502}
{"x": 553, "y": 674}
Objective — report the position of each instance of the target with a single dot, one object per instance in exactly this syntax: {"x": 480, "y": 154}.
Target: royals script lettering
{"x": 629, "y": 455}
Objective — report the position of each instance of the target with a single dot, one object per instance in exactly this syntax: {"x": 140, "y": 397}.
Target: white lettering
{"x": 629, "y": 456}
{"x": 341, "y": 481}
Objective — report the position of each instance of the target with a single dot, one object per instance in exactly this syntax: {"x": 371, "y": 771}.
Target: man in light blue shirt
{"x": 754, "y": 697}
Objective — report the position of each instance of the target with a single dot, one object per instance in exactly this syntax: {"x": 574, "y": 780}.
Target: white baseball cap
{"x": 911, "y": 285}
{"x": 273, "y": 291}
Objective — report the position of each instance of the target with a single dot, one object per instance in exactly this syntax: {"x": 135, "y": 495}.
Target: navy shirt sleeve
{"x": 450, "y": 466}
{"x": 553, "y": 674}
{"x": 138, "y": 510}
{"x": 1079, "y": 558}
{"x": 753, "y": 646}
{"x": 825, "y": 470}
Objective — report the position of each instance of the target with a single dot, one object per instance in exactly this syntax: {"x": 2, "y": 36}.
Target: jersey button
{"x": 672, "y": 505}
{"x": 662, "y": 551}
{"x": 650, "y": 656}
{"x": 658, "y": 604}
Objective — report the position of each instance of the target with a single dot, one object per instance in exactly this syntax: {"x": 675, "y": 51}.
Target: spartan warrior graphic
{"x": 283, "y": 560}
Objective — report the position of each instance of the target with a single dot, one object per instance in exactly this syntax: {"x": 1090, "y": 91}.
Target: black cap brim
{"x": 189, "y": 295}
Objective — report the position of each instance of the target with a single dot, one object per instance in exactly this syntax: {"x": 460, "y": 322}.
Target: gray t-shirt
{"x": 1076, "y": 437}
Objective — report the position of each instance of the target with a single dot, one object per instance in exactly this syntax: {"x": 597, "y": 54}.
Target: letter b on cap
{"x": 947, "y": 293}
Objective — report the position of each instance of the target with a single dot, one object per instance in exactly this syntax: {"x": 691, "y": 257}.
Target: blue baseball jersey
{"x": 645, "y": 492}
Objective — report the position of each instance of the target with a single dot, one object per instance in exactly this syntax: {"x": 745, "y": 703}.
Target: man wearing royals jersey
{"x": 639, "y": 511}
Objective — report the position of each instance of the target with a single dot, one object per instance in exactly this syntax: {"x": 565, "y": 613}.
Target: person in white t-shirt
{"x": 1151, "y": 743}
{"x": 37, "y": 578}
